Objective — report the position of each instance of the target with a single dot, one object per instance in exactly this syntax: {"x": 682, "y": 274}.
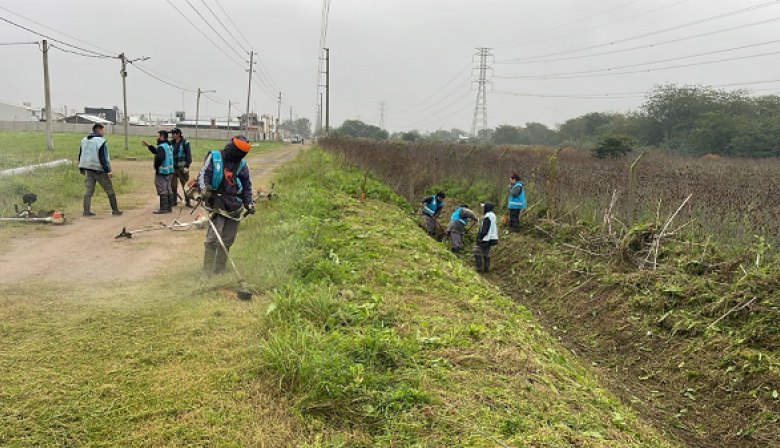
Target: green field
{"x": 363, "y": 332}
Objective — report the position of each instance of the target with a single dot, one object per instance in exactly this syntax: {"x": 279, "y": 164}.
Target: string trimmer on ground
{"x": 27, "y": 215}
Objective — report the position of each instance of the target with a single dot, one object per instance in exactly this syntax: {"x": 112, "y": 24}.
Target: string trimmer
{"x": 27, "y": 215}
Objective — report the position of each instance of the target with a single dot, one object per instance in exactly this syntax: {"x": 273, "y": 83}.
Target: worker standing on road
{"x": 457, "y": 226}
{"x": 163, "y": 171}
{"x": 432, "y": 207}
{"x": 516, "y": 203}
{"x": 487, "y": 237}
{"x": 95, "y": 165}
{"x": 182, "y": 158}
{"x": 225, "y": 187}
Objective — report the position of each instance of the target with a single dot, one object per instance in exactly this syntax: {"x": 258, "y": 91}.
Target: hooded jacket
{"x": 93, "y": 154}
{"x": 488, "y": 230}
{"x": 230, "y": 199}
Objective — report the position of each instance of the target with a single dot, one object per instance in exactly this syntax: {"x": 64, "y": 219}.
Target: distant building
{"x": 15, "y": 112}
{"x": 208, "y": 124}
{"x": 86, "y": 119}
{"x": 111, "y": 115}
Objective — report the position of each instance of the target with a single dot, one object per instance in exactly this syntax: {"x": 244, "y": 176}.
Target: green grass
{"x": 27, "y": 148}
{"x": 374, "y": 327}
{"x": 364, "y": 332}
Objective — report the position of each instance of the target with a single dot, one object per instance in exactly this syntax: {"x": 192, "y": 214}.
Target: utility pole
{"x": 230, "y": 105}
{"x": 327, "y": 92}
{"x": 124, "y": 95}
{"x": 249, "y": 90}
{"x": 47, "y": 95}
{"x": 480, "y": 108}
{"x": 319, "y": 116}
{"x": 382, "y": 105}
{"x": 197, "y": 112}
{"x": 123, "y": 73}
{"x": 278, "y": 115}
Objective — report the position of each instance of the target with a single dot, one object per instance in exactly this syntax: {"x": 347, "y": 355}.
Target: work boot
{"x": 220, "y": 260}
{"x": 187, "y": 201}
{"x": 456, "y": 250}
{"x": 171, "y": 203}
{"x": 478, "y": 261}
{"x": 114, "y": 208}
{"x": 208, "y": 257}
{"x": 486, "y": 259}
{"x": 163, "y": 205}
{"x": 88, "y": 206}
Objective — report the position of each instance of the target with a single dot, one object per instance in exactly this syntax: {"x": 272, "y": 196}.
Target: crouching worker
{"x": 457, "y": 226}
{"x": 432, "y": 207}
{"x": 487, "y": 237}
{"x": 226, "y": 189}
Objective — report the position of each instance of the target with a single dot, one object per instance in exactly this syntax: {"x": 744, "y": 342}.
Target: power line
{"x": 212, "y": 29}
{"x": 223, "y": 25}
{"x": 233, "y": 23}
{"x": 160, "y": 79}
{"x": 707, "y": 53}
{"x": 594, "y": 96}
{"x": 444, "y": 98}
{"x": 565, "y": 25}
{"x": 653, "y": 33}
{"x": 204, "y": 35}
{"x": 597, "y": 75}
{"x": 19, "y": 43}
{"x": 53, "y": 39}
{"x": 426, "y": 118}
{"x": 639, "y": 47}
{"x": 56, "y": 31}
{"x": 81, "y": 54}
{"x": 438, "y": 91}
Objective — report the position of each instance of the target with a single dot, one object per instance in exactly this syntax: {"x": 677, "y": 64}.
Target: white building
{"x": 14, "y": 112}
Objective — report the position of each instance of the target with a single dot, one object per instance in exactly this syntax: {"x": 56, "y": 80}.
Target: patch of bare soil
{"x": 86, "y": 250}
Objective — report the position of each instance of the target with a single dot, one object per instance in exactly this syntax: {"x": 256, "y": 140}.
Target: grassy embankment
{"x": 691, "y": 342}
{"x": 366, "y": 333}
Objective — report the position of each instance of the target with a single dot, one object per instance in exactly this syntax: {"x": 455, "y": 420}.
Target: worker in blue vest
{"x": 163, "y": 171}
{"x": 182, "y": 158}
{"x": 432, "y": 206}
{"x": 226, "y": 191}
{"x": 457, "y": 226}
{"x": 487, "y": 237}
{"x": 95, "y": 166}
{"x": 516, "y": 203}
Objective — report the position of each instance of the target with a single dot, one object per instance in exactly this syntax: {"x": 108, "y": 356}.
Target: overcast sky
{"x": 415, "y": 55}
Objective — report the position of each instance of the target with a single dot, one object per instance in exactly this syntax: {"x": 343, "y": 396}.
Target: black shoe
{"x": 116, "y": 212}
{"x": 87, "y": 213}
{"x": 163, "y": 205}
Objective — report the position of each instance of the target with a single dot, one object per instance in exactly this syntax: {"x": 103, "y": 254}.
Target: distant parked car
{"x": 296, "y": 139}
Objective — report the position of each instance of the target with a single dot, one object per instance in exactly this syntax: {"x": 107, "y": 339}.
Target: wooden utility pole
{"x": 278, "y": 115}
{"x": 327, "y": 92}
{"x": 197, "y": 112}
{"x": 47, "y": 95}
{"x": 123, "y": 73}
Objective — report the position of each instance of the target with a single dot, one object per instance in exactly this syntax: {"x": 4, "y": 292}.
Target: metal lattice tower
{"x": 382, "y": 110}
{"x": 480, "y": 108}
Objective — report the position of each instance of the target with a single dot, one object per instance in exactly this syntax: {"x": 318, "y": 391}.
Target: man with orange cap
{"x": 226, "y": 190}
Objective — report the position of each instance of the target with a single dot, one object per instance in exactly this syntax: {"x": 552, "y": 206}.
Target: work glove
{"x": 185, "y": 170}
{"x": 250, "y": 209}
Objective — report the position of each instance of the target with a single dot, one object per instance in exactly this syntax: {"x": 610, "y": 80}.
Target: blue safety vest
{"x": 432, "y": 206}
{"x": 167, "y": 165}
{"x": 180, "y": 158}
{"x": 517, "y": 202}
{"x": 456, "y": 217}
{"x": 218, "y": 171}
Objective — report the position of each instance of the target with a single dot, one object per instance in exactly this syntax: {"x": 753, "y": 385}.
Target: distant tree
{"x": 359, "y": 129}
{"x": 301, "y": 126}
{"x": 538, "y": 134}
{"x": 614, "y": 146}
{"x": 411, "y": 136}
{"x": 506, "y": 135}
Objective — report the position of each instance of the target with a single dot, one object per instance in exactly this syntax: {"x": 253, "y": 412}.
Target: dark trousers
{"x": 91, "y": 178}
{"x": 179, "y": 177}
{"x": 162, "y": 182}
{"x": 514, "y": 219}
{"x": 482, "y": 257}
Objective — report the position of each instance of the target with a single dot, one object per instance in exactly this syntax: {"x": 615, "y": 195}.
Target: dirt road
{"x": 86, "y": 250}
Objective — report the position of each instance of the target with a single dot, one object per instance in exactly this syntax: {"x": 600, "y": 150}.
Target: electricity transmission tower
{"x": 382, "y": 110}
{"x": 480, "y": 125}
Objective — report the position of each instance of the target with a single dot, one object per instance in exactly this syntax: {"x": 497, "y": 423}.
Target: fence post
{"x": 632, "y": 188}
